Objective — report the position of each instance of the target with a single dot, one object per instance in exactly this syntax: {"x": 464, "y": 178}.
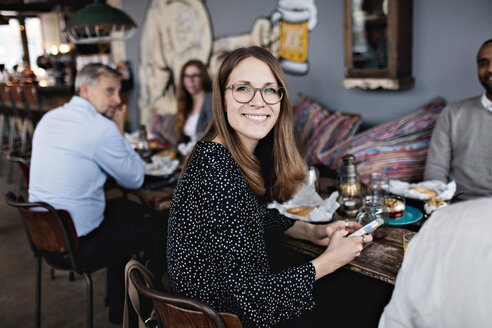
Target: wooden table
{"x": 356, "y": 293}
{"x": 157, "y": 199}
{"x": 380, "y": 259}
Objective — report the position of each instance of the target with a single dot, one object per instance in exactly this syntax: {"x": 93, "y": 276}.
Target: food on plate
{"x": 157, "y": 145}
{"x": 153, "y": 143}
{"x": 396, "y": 206}
{"x": 300, "y": 210}
{"x": 167, "y": 152}
{"x": 433, "y": 204}
{"x": 424, "y": 191}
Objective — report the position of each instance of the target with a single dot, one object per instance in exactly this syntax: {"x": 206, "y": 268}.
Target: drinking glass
{"x": 378, "y": 184}
{"x": 373, "y": 207}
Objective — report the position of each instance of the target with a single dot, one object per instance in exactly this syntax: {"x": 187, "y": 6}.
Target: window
{"x": 11, "y": 52}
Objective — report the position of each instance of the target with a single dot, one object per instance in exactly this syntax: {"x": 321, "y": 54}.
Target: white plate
{"x": 161, "y": 165}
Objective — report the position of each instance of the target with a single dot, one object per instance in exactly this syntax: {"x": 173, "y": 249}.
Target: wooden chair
{"x": 52, "y": 236}
{"x": 23, "y": 165}
{"x": 183, "y": 312}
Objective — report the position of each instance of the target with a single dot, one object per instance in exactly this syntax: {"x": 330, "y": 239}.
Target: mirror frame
{"x": 398, "y": 74}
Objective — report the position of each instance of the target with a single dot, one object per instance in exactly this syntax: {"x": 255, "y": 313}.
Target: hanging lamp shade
{"x": 98, "y": 22}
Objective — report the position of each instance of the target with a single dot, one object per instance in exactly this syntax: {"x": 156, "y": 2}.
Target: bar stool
{"x": 18, "y": 124}
{"x": 9, "y": 123}
{"x": 23, "y": 113}
{"x": 32, "y": 102}
{"x": 4, "y": 130}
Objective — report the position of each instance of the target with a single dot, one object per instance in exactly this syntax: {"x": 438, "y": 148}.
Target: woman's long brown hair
{"x": 288, "y": 170}
{"x": 184, "y": 99}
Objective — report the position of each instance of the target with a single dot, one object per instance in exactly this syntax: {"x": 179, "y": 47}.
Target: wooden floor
{"x": 63, "y": 301}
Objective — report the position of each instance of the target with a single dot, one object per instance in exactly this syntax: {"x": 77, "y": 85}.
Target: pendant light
{"x": 99, "y": 22}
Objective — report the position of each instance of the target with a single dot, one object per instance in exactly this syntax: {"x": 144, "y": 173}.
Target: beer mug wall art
{"x": 295, "y": 18}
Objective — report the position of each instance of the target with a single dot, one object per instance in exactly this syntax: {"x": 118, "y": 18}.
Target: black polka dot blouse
{"x": 216, "y": 250}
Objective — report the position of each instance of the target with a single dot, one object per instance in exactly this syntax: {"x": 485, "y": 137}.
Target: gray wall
{"x": 446, "y": 37}
{"x": 136, "y": 10}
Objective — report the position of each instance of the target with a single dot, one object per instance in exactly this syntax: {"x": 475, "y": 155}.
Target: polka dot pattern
{"x": 216, "y": 249}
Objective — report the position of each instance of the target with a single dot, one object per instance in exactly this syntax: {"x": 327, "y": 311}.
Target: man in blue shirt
{"x": 74, "y": 148}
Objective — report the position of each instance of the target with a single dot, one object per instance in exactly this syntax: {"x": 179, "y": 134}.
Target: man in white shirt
{"x": 461, "y": 144}
{"x": 74, "y": 148}
{"x": 445, "y": 280}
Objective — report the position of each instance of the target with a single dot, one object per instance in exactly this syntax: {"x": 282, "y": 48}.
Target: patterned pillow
{"x": 318, "y": 129}
{"x": 398, "y": 148}
{"x": 162, "y": 126}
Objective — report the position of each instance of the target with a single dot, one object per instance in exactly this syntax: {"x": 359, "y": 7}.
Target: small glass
{"x": 373, "y": 207}
{"x": 406, "y": 240}
{"x": 378, "y": 184}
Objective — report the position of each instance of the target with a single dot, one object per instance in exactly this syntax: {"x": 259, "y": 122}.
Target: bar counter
{"x": 53, "y": 96}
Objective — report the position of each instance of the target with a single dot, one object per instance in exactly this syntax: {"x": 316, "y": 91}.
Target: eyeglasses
{"x": 191, "y": 76}
{"x": 244, "y": 93}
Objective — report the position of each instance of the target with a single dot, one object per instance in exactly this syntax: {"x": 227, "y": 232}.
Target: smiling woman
{"x": 253, "y": 118}
{"x": 257, "y": 127}
{"x": 218, "y": 219}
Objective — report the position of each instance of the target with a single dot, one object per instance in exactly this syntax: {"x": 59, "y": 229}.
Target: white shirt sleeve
{"x": 117, "y": 158}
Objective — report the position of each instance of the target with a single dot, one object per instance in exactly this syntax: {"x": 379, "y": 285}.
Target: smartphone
{"x": 371, "y": 226}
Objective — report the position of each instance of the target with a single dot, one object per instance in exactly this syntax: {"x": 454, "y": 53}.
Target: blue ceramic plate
{"x": 411, "y": 215}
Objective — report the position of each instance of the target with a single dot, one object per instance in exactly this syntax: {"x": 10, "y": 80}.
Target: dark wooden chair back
{"x": 52, "y": 236}
{"x": 23, "y": 165}
{"x": 49, "y": 230}
{"x": 183, "y": 312}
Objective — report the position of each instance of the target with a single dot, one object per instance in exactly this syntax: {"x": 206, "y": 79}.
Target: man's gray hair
{"x": 90, "y": 74}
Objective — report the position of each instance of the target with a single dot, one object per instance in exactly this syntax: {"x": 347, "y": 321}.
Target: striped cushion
{"x": 398, "y": 148}
{"x": 318, "y": 129}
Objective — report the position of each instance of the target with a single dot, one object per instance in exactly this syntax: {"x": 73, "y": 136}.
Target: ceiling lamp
{"x": 98, "y": 22}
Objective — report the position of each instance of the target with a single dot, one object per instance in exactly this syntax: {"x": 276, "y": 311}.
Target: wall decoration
{"x": 378, "y": 44}
{"x": 295, "y": 19}
{"x": 179, "y": 30}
